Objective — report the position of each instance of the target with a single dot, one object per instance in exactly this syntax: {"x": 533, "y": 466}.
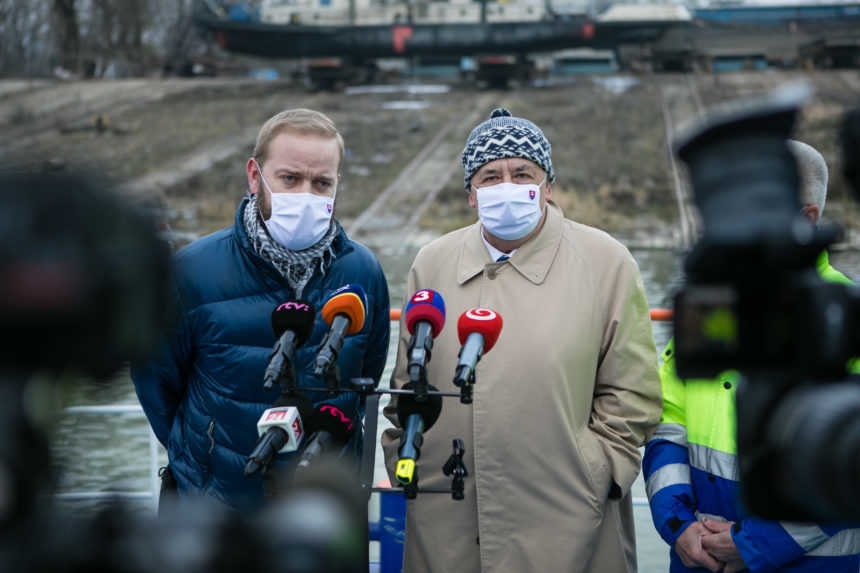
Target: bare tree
{"x": 129, "y": 37}
{"x": 116, "y": 32}
{"x": 65, "y": 16}
{"x": 132, "y": 19}
{"x": 25, "y": 48}
{"x": 182, "y": 42}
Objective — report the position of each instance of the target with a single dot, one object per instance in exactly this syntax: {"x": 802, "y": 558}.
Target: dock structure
{"x": 341, "y": 41}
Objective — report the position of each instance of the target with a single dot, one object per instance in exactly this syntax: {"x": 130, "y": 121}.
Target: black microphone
{"x": 292, "y": 323}
{"x": 332, "y": 429}
{"x": 281, "y": 429}
{"x": 420, "y": 417}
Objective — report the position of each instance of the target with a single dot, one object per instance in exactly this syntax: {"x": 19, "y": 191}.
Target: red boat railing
{"x": 657, "y": 314}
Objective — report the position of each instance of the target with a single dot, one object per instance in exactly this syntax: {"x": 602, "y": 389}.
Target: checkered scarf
{"x": 297, "y": 267}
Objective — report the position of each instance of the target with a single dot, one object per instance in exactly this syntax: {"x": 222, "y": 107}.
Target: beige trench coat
{"x": 562, "y": 404}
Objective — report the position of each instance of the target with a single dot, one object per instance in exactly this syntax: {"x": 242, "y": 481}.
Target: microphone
{"x": 425, "y": 318}
{"x": 478, "y": 329}
{"x": 281, "y": 429}
{"x": 344, "y": 311}
{"x": 292, "y": 323}
{"x": 420, "y": 417}
{"x": 332, "y": 428}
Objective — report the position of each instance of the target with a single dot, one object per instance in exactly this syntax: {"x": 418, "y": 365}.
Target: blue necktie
{"x": 502, "y": 258}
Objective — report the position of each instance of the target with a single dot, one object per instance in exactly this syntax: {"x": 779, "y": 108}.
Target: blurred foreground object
{"x": 849, "y": 139}
{"x": 83, "y": 276}
{"x": 754, "y": 302}
{"x": 84, "y": 287}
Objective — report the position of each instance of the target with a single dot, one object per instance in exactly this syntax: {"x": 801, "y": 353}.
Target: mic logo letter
{"x": 276, "y": 415}
{"x": 481, "y": 314}
{"x": 337, "y": 413}
{"x": 294, "y": 305}
{"x": 423, "y": 296}
{"x": 297, "y": 428}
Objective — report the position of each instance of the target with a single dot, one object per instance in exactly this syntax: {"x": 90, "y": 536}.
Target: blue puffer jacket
{"x": 203, "y": 393}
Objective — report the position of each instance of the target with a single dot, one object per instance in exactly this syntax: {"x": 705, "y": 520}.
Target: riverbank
{"x": 181, "y": 145}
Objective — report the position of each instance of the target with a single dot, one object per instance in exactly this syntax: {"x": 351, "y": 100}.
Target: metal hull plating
{"x": 299, "y": 41}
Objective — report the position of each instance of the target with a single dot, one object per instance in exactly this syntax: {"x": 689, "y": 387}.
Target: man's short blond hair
{"x": 300, "y": 120}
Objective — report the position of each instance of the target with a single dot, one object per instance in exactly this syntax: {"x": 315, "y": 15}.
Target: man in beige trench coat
{"x": 564, "y": 400}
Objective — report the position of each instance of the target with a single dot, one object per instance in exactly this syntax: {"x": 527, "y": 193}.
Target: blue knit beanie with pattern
{"x": 506, "y": 136}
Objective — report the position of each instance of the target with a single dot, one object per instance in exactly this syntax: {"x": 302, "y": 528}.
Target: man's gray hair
{"x": 812, "y": 173}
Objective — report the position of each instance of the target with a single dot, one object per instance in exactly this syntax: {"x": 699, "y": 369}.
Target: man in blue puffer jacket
{"x": 204, "y": 393}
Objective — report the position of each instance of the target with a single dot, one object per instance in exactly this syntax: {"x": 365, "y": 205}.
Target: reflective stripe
{"x": 675, "y": 433}
{"x": 846, "y": 542}
{"x": 714, "y": 461}
{"x": 670, "y": 474}
{"x": 807, "y": 535}
{"x": 702, "y": 516}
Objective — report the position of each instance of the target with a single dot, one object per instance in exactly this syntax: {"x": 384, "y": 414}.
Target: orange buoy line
{"x": 659, "y": 314}
{"x": 662, "y": 314}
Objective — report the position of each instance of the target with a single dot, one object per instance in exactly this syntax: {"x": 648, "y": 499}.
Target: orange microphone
{"x": 344, "y": 311}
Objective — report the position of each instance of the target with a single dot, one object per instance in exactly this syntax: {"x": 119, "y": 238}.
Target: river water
{"x": 111, "y": 452}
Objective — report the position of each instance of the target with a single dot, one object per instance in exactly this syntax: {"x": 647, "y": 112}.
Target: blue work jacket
{"x": 691, "y": 472}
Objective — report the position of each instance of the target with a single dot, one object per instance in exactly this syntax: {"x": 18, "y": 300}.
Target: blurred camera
{"x": 85, "y": 288}
{"x": 755, "y": 303}
{"x": 83, "y": 275}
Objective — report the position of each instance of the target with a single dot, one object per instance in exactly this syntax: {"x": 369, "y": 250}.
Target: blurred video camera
{"x": 755, "y": 303}
{"x": 84, "y": 288}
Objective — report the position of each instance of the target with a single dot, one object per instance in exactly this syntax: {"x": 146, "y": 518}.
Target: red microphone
{"x": 478, "y": 329}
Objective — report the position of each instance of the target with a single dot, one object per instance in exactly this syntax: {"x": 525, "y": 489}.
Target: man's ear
{"x": 253, "y": 176}
{"x": 548, "y": 192}
{"x": 811, "y": 213}
{"x": 473, "y": 199}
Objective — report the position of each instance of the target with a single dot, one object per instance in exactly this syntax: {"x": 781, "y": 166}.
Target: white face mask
{"x": 298, "y": 220}
{"x": 508, "y": 210}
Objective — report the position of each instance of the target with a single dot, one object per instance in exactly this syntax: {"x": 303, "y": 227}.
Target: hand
{"x": 689, "y": 548}
{"x": 719, "y": 543}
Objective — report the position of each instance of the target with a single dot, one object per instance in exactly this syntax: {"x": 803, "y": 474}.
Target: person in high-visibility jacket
{"x": 691, "y": 467}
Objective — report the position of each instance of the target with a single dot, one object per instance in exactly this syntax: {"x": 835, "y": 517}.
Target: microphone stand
{"x": 453, "y": 467}
{"x": 280, "y": 368}
{"x": 283, "y": 372}
{"x": 332, "y": 381}
{"x": 465, "y": 385}
{"x": 457, "y": 469}
{"x": 420, "y": 346}
{"x": 286, "y": 378}
{"x": 369, "y": 396}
